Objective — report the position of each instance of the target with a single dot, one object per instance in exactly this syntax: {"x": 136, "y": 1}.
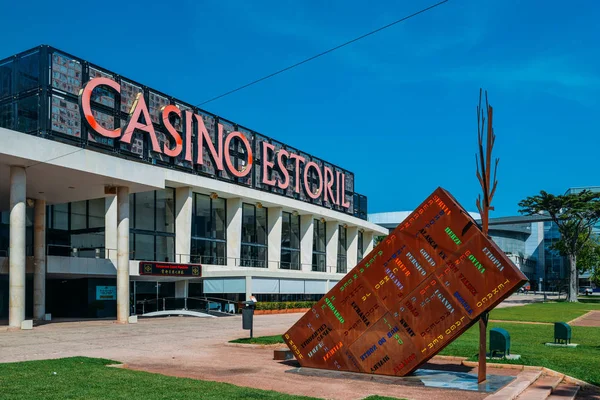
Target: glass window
{"x": 360, "y": 246}
{"x": 290, "y": 241}
{"x": 28, "y": 72}
{"x": 96, "y": 211}
{"x": 144, "y": 211}
{"x": 208, "y": 252}
{"x": 248, "y": 223}
{"x": 143, "y": 247}
{"x": 60, "y": 216}
{"x": 208, "y": 230}
{"x": 319, "y": 246}
{"x": 261, "y": 226}
{"x": 165, "y": 211}
{"x": 6, "y": 79}
{"x": 165, "y": 248}
{"x": 254, "y": 236}
{"x": 219, "y": 218}
{"x": 27, "y": 114}
{"x": 78, "y": 215}
{"x": 342, "y": 264}
{"x": 202, "y": 216}
{"x": 153, "y": 225}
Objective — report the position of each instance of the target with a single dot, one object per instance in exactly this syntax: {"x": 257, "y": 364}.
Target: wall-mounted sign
{"x": 279, "y": 168}
{"x": 170, "y": 269}
{"x": 106, "y": 292}
{"x": 416, "y": 292}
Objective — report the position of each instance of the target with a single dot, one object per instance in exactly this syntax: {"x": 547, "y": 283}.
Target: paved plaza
{"x": 197, "y": 348}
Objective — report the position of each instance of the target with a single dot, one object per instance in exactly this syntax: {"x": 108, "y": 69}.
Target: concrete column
{"x": 234, "y": 231}
{"x": 352, "y": 252}
{"x": 307, "y": 228}
{"x": 184, "y": 200}
{"x": 275, "y": 222}
{"x": 181, "y": 289}
{"x": 123, "y": 255}
{"x": 39, "y": 260}
{"x": 110, "y": 228}
{"x": 367, "y": 242}
{"x": 248, "y": 287}
{"x": 16, "y": 291}
{"x": 332, "y": 236}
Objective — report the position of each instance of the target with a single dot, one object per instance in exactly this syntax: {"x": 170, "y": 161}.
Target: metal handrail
{"x": 163, "y": 301}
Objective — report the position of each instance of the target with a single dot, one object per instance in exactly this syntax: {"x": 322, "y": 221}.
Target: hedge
{"x": 283, "y": 305}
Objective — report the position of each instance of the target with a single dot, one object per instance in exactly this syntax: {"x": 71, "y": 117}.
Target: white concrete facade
{"x": 56, "y": 174}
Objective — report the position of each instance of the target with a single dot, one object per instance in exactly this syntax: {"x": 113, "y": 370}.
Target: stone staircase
{"x": 538, "y": 385}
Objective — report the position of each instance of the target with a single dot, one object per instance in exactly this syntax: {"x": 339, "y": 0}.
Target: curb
{"x": 123, "y": 366}
{"x": 256, "y": 346}
{"x": 566, "y": 378}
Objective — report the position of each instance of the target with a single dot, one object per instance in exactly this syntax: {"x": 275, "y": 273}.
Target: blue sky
{"x": 397, "y": 108}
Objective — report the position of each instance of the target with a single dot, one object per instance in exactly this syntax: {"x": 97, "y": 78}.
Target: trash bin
{"x": 248, "y": 314}
{"x": 499, "y": 342}
{"x": 562, "y": 332}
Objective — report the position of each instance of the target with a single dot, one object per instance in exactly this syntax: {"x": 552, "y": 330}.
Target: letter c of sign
{"x": 85, "y": 96}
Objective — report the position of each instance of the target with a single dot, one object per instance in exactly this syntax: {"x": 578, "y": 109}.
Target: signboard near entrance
{"x": 106, "y": 292}
{"x": 170, "y": 269}
{"x": 416, "y": 292}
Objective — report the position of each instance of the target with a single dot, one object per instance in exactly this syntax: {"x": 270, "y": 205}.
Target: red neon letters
{"x": 317, "y": 182}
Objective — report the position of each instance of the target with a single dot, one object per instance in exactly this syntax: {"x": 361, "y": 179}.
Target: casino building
{"x": 114, "y": 194}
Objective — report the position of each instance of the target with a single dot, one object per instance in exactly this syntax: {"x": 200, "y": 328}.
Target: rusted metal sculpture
{"x": 410, "y": 297}
{"x": 483, "y": 163}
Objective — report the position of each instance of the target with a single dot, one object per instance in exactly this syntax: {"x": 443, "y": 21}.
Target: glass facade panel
{"x": 165, "y": 248}
{"x": 165, "y": 211}
{"x": 360, "y": 246}
{"x": 78, "y": 215}
{"x": 144, "y": 211}
{"x": 342, "y": 264}
{"x": 96, "y": 211}
{"x": 290, "y": 241}
{"x": 319, "y": 258}
{"x": 153, "y": 228}
{"x": 208, "y": 230}
{"x": 27, "y": 114}
{"x": 28, "y": 72}
{"x": 254, "y": 236}
{"x": 144, "y": 247}
{"x": 60, "y": 217}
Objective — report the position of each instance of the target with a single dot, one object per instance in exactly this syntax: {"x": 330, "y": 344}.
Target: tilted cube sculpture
{"x": 410, "y": 297}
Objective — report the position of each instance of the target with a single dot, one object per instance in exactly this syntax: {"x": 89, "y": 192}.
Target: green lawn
{"x": 582, "y": 362}
{"x": 89, "y": 378}
{"x": 260, "y": 340}
{"x": 544, "y": 312}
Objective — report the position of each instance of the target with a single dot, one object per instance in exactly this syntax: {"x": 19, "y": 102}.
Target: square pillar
{"x": 275, "y": 222}
{"x": 16, "y": 289}
{"x": 183, "y": 223}
{"x": 123, "y": 255}
{"x": 307, "y": 228}
{"x": 39, "y": 260}
{"x": 181, "y": 289}
{"x": 110, "y": 228}
{"x": 234, "y": 231}
{"x": 367, "y": 242}
{"x": 332, "y": 236}
{"x": 352, "y": 252}
{"x": 248, "y": 287}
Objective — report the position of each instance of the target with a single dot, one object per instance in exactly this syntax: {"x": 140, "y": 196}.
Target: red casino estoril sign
{"x": 330, "y": 184}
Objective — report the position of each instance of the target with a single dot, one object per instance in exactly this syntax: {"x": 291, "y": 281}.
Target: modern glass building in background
{"x": 527, "y": 240}
{"x": 112, "y": 193}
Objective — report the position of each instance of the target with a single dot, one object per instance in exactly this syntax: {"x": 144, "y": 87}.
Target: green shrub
{"x": 283, "y": 305}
